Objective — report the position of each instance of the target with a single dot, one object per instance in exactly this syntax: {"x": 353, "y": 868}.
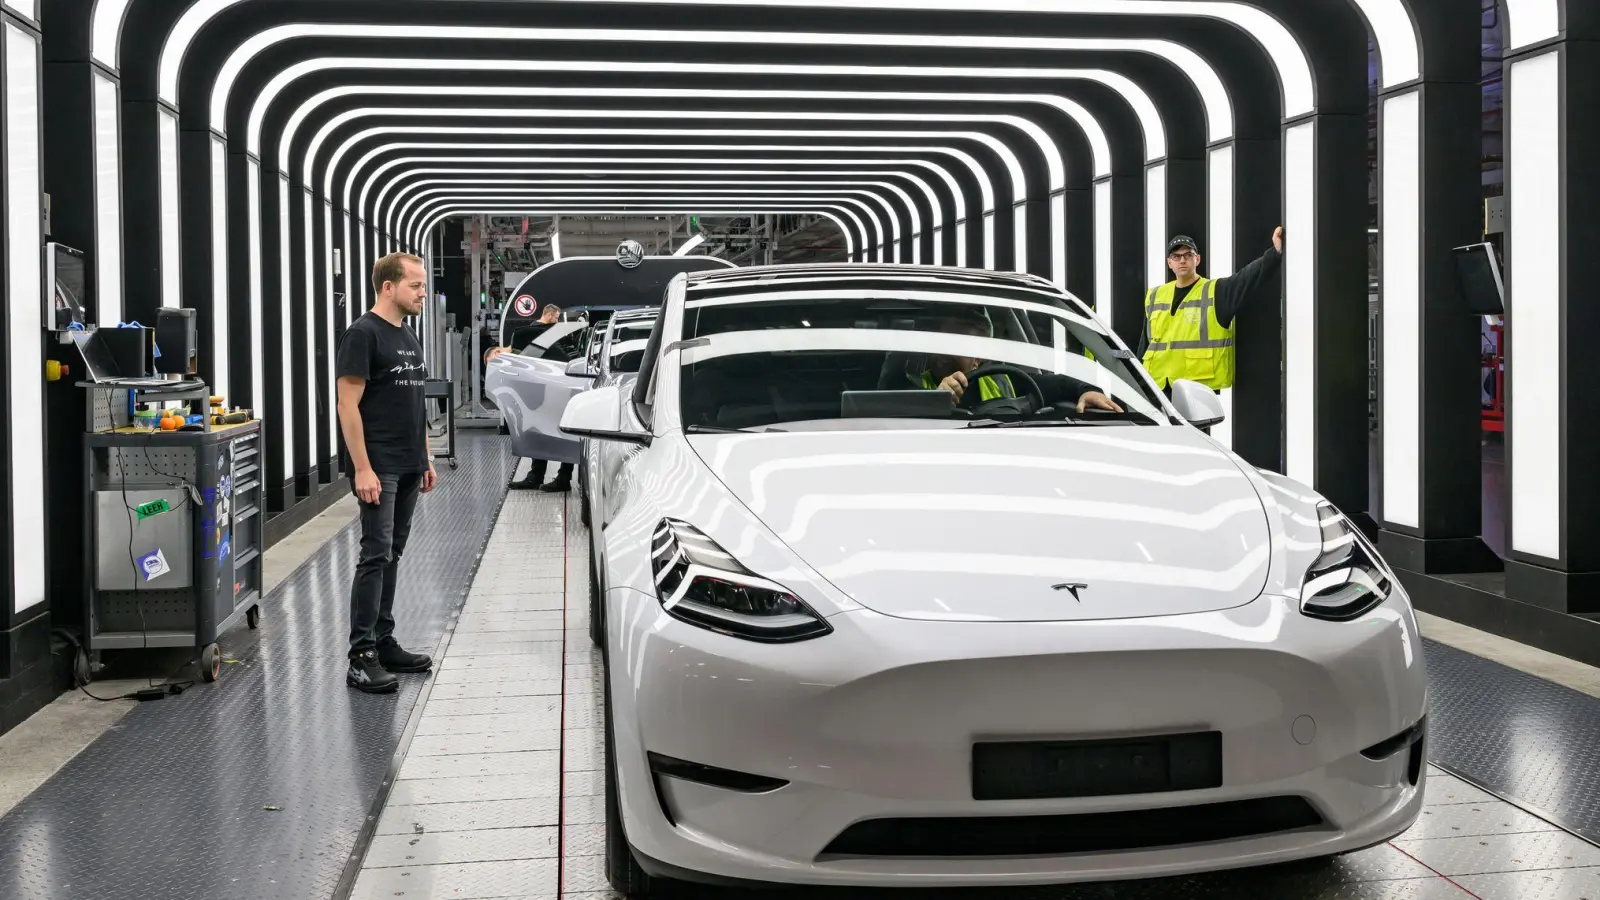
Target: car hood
{"x": 1008, "y": 525}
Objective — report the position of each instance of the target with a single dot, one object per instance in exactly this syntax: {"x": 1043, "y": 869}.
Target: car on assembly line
{"x": 614, "y": 361}
{"x": 861, "y": 631}
{"x": 531, "y": 387}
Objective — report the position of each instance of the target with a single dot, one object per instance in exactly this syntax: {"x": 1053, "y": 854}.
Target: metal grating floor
{"x": 497, "y": 791}
{"x": 256, "y": 786}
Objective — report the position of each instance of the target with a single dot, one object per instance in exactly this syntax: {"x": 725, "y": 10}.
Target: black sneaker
{"x": 397, "y": 659}
{"x": 557, "y": 487}
{"x": 367, "y": 675}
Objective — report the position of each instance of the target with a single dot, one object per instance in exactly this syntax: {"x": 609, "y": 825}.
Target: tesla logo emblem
{"x": 1073, "y": 588}
{"x": 630, "y": 254}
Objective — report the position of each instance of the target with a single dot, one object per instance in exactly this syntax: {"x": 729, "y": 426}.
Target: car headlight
{"x": 1347, "y": 580}
{"x": 700, "y": 583}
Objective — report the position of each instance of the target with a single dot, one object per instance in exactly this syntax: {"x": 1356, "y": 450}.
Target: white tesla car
{"x": 860, "y": 631}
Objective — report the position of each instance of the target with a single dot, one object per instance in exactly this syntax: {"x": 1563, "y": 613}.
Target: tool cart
{"x": 175, "y": 534}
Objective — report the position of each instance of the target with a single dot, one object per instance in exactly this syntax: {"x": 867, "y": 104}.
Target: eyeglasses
{"x": 1181, "y": 256}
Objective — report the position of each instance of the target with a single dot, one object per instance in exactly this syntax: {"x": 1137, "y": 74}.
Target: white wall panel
{"x": 287, "y": 354}
{"x": 171, "y": 252}
{"x": 1401, "y": 230}
{"x": 1533, "y": 265}
{"x": 1300, "y": 295}
{"x": 107, "y": 260}
{"x": 1217, "y": 255}
{"x": 25, "y": 317}
{"x": 221, "y": 325}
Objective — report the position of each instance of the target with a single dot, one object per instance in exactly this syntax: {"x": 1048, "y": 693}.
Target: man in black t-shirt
{"x": 384, "y": 420}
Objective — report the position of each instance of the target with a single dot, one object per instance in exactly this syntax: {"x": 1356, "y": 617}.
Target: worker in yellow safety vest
{"x": 949, "y": 373}
{"x": 1188, "y": 322}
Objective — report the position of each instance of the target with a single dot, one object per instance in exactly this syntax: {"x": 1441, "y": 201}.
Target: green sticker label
{"x": 154, "y": 507}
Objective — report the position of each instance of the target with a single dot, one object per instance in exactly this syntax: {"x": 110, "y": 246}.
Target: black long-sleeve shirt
{"x": 1231, "y": 293}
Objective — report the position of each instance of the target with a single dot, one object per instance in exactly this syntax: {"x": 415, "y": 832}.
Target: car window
{"x": 568, "y": 347}
{"x": 628, "y": 341}
{"x": 832, "y": 358}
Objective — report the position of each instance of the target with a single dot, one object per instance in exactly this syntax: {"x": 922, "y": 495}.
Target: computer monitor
{"x": 66, "y": 287}
{"x": 1481, "y": 286}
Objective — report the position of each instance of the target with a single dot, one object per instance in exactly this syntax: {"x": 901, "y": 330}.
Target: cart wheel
{"x": 210, "y": 663}
{"x": 252, "y": 617}
{"x": 81, "y": 669}
{"x": 453, "y": 464}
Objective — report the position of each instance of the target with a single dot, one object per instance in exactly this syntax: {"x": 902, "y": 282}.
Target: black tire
{"x": 252, "y": 617}
{"x": 622, "y": 869}
{"x": 597, "y": 624}
{"x": 210, "y": 663}
{"x": 583, "y": 496}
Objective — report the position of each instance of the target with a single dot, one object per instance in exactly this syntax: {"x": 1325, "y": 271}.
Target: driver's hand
{"x": 1096, "y": 400}
{"x": 956, "y": 384}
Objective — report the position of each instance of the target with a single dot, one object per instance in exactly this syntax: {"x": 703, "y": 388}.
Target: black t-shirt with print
{"x": 393, "y": 411}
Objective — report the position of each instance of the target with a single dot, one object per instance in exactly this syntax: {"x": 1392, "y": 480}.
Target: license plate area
{"x": 1036, "y": 770}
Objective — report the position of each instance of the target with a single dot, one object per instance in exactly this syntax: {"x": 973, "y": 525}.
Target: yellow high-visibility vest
{"x": 1190, "y": 343}
{"x": 988, "y": 389}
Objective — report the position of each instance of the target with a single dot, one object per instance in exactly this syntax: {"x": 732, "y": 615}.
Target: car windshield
{"x": 628, "y": 340}
{"x": 816, "y": 358}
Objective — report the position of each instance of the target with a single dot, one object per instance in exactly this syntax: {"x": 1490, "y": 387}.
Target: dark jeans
{"x": 385, "y": 525}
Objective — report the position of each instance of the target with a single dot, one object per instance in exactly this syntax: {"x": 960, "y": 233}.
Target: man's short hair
{"x": 550, "y": 308}
{"x": 391, "y": 268}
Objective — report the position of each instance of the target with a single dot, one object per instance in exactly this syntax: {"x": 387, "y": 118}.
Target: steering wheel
{"x": 972, "y": 397}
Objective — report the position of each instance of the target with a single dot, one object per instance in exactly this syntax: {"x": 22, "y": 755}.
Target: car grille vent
{"x": 1062, "y": 835}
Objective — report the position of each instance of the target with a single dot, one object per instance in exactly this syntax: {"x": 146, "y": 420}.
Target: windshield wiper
{"x": 1086, "y": 419}
{"x": 1034, "y": 423}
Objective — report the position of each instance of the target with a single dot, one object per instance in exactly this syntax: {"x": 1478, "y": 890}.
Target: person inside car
{"x": 949, "y": 373}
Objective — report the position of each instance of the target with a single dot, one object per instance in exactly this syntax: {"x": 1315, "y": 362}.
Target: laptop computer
{"x": 103, "y": 369}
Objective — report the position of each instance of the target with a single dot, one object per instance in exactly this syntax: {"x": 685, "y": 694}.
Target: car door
{"x": 532, "y": 389}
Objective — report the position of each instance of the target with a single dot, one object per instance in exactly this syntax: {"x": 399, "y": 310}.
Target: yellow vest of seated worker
{"x": 989, "y": 387}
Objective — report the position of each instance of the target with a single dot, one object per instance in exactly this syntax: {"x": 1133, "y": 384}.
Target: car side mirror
{"x": 597, "y": 414}
{"x": 1196, "y": 403}
{"x": 579, "y": 368}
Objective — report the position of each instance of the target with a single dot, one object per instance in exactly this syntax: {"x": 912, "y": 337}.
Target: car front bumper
{"x": 877, "y": 721}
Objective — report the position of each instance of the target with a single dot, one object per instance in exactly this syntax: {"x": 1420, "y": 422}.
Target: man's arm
{"x": 368, "y": 488}
{"x": 355, "y": 437}
{"x": 1236, "y": 290}
{"x": 429, "y": 478}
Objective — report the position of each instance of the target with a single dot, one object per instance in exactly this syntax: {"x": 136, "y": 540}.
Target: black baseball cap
{"x": 1182, "y": 240}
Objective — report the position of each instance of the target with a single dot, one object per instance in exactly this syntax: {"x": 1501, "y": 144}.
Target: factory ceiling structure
{"x": 250, "y": 159}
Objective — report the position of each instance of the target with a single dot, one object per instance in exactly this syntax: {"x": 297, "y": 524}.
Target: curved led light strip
{"x": 382, "y": 199}
{"x": 959, "y": 197}
{"x": 655, "y": 209}
{"x": 1531, "y": 21}
{"x": 1019, "y": 181}
{"x": 106, "y": 31}
{"x": 849, "y": 207}
{"x": 1100, "y": 149}
{"x": 407, "y": 196}
{"x": 1143, "y": 107}
{"x": 865, "y": 200}
{"x": 890, "y": 239}
{"x": 981, "y": 175}
{"x": 1214, "y": 94}
{"x": 1288, "y": 57}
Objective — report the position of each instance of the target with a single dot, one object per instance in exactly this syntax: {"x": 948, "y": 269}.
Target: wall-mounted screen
{"x": 66, "y": 285}
{"x": 1481, "y": 286}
